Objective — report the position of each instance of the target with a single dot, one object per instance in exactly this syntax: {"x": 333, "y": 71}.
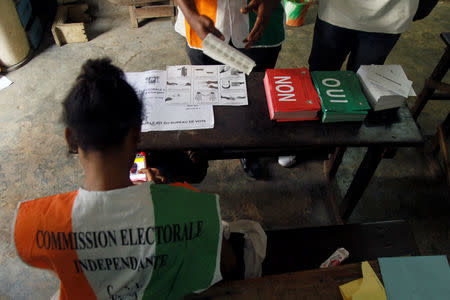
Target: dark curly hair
{"x": 101, "y": 108}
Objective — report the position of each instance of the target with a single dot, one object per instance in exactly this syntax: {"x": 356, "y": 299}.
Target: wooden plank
{"x": 68, "y": 26}
{"x": 132, "y": 2}
{"x": 77, "y": 13}
{"x": 293, "y": 250}
{"x": 72, "y": 33}
{"x": 437, "y": 85}
{"x": 155, "y": 11}
{"x": 438, "y": 73}
{"x": 444, "y": 151}
{"x": 60, "y": 18}
{"x": 133, "y": 18}
{"x": 361, "y": 180}
{"x": 331, "y": 166}
{"x": 307, "y": 285}
{"x": 331, "y": 203}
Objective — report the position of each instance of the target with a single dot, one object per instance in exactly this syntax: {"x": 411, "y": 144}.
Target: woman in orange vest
{"x": 111, "y": 239}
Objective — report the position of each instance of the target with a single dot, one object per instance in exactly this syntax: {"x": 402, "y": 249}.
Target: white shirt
{"x": 383, "y": 16}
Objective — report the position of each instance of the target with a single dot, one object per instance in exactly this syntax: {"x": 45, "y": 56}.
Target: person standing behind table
{"x": 365, "y": 31}
{"x": 256, "y": 28}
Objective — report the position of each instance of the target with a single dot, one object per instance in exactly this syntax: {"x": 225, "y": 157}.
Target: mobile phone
{"x": 139, "y": 163}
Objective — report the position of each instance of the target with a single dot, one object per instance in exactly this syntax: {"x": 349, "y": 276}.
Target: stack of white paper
{"x": 385, "y": 86}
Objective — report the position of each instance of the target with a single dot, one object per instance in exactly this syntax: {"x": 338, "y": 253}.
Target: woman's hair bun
{"x": 100, "y": 70}
{"x": 101, "y": 108}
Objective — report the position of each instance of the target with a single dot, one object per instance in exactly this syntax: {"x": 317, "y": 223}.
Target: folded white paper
{"x": 390, "y": 77}
{"x": 4, "y": 82}
{"x": 379, "y": 96}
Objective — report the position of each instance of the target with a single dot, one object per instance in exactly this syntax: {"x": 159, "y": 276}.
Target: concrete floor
{"x": 34, "y": 160}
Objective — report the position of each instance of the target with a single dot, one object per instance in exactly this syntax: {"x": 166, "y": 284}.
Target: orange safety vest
{"x": 234, "y": 25}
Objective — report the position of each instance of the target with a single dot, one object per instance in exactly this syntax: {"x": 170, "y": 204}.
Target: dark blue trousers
{"x": 332, "y": 44}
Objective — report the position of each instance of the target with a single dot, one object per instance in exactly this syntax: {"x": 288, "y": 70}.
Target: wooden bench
{"x": 295, "y": 250}
{"x": 141, "y": 9}
{"x": 432, "y": 84}
{"x": 306, "y": 248}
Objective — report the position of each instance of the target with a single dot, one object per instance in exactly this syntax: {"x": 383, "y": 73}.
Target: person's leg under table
{"x": 265, "y": 58}
{"x": 370, "y": 48}
{"x": 331, "y": 165}
{"x": 179, "y": 166}
{"x": 331, "y": 45}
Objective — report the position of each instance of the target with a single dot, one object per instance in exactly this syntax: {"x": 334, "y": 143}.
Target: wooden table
{"x": 308, "y": 285}
{"x": 249, "y": 130}
{"x": 314, "y": 284}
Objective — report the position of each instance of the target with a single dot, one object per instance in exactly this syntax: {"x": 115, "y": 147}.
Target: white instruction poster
{"x": 158, "y": 116}
{"x": 199, "y": 85}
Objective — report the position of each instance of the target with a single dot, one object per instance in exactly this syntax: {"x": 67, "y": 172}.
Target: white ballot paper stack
{"x": 158, "y": 116}
{"x": 385, "y": 86}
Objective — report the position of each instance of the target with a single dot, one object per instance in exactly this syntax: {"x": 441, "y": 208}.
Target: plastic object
{"x": 224, "y": 53}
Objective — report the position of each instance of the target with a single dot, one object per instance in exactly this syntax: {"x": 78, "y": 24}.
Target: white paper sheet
{"x": 4, "y": 82}
{"x": 158, "y": 115}
{"x": 390, "y": 77}
{"x": 199, "y": 85}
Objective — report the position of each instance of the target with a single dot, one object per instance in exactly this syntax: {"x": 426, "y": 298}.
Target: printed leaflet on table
{"x": 214, "y": 85}
{"x": 158, "y": 116}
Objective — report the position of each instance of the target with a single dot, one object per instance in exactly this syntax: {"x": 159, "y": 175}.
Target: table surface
{"x": 249, "y": 129}
{"x": 307, "y": 285}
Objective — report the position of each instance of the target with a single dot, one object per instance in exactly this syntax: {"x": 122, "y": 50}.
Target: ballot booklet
{"x": 341, "y": 96}
{"x": 291, "y": 95}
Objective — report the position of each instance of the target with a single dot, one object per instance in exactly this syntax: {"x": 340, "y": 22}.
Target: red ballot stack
{"x": 291, "y": 95}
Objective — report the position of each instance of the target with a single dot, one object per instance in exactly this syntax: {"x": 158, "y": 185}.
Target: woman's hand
{"x": 263, "y": 10}
{"x": 203, "y": 25}
{"x": 154, "y": 175}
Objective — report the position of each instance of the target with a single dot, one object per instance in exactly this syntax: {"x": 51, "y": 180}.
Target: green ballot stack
{"x": 341, "y": 96}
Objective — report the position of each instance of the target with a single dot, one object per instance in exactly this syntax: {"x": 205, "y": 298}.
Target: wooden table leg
{"x": 444, "y": 151}
{"x": 330, "y": 201}
{"x": 133, "y": 19}
{"x": 438, "y": 73}
{"x": 361, "y": 180}
{"x": 331, "y": 165}
{"x": 174, "y": 17}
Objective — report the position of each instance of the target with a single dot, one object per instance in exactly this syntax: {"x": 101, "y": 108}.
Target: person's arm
{"x": 201, "y": 24}
{"x": 263, "y": 10}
